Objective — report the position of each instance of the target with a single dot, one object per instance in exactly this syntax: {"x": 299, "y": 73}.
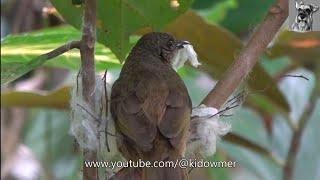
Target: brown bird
{"x": 151, "y": 108}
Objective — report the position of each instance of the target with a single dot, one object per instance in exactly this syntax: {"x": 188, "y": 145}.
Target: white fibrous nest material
{"x": 206, "y": 130}
{"x": 91, "y": 125}
{"x": 87, "y": 122}
{"x": 183, "y": 55}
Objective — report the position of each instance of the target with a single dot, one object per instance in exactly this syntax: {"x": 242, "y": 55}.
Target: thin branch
{"x": 225, "y": 109}
{"x": 295, "y": 144}
{"x": 109, "y": 133}
{"x": 226, "y": 115}
{"x": 88, "y": 74}
{"x": 297, "y": 134}
{"x": 296, "y": 76}
{"x": 60, "y": 50}
{"x": 234, "y": 102}
{"x": 90, "y": 114}
{"x": 249, "y": 56}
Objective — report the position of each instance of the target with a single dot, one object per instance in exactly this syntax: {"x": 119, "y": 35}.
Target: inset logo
{"x": 304, "y": 15}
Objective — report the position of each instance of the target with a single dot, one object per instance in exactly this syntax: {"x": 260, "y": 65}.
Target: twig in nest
{"x": 296, "y": 76}
{"x": 225, "y": 109}
{"x": 78, "y": 75}
{"x": 190, "y": 170}
{"x": 226, "y": 115}
{"x": 106, "y": 103}
{"x": 237, "y": 96}
{"x": 109, "y": 133}
{"x": 232, "y": 103}
{"x": 95, "y": 118}
{"x": 87, "y": 111}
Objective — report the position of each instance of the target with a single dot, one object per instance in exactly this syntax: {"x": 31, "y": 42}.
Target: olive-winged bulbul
{"x": 151, "y": 108}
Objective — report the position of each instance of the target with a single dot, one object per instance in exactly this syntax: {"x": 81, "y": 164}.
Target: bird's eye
{"x": 170, "y": 43}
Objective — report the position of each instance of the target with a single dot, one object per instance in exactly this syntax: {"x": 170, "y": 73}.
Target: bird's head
{"x": 169, "y": 50}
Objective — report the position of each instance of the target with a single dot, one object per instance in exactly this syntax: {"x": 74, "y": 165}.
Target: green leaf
{"x": 118, "y": 19}
{"x": 21, "y": 53}
{"x": 247, "y": 15}
{"x": 219, "y": 11}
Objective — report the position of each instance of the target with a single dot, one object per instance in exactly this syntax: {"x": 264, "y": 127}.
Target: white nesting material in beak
{"x": 184, "y": 54}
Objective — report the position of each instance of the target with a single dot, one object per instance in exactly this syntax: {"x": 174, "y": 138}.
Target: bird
{"x": 151, "y": 108}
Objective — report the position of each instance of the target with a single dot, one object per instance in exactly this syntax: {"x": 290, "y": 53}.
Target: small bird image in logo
{"x": 303, "y": 21}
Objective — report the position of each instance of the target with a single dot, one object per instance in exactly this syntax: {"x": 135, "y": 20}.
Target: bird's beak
{"x": 180, "y": 44}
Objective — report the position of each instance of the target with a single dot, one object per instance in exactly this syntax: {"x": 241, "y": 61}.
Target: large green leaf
{"x": 118, "y": 19}
{"x": 21, "y": 53}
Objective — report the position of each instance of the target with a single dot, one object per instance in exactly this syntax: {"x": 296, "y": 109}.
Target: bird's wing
{"x": 147, "y": 103}
{"x": 175, "y": 122}
{"x": 138, "y": 105}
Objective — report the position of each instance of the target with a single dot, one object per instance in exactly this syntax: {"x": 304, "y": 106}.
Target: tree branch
{"x": 298, "y": 133}
{"x": 60, "y": 50}
{"x": 249, "y": 56}
{"x": 88, "y": 73}
{"x": 295, "y": 144}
